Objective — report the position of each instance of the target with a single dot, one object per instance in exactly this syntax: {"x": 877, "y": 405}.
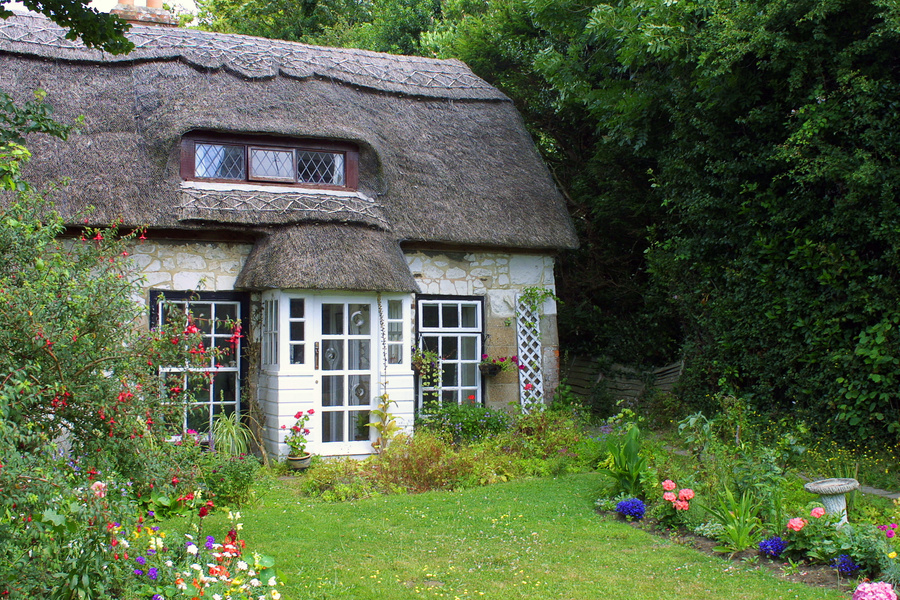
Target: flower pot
{"x": 489, "y": 370}
{"x": 298, "y": 463}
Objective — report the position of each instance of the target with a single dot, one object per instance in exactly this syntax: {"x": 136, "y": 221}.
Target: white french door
{"x": 344, "y": 342}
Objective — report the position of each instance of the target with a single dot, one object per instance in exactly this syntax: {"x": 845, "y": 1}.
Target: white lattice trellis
{"x": 528, "y": 332}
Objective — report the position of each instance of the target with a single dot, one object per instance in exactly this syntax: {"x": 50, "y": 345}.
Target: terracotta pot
{"x": 298, "y": 463}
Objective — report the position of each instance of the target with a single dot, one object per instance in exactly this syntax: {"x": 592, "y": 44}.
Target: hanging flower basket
{"x": 490, "y": 370}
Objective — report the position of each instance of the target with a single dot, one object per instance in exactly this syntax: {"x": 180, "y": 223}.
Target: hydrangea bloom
{"x": 875, "y": 591}
{"x": 632, "y": 508}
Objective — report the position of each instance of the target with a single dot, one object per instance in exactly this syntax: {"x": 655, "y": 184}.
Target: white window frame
{"x": 452, "y": 388}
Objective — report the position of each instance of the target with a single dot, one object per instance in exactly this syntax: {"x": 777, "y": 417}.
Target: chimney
{"x": 152, "y": 14}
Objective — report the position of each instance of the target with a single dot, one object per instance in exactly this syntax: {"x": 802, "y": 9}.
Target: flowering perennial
{"x": 874, "y": 591}
{"x": 632, "y": 508}
{"x": 772, "y": 547}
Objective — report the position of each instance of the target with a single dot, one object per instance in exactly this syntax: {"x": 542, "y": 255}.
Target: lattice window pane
{"x": 219, "y": 161}
{"x": 320, "y": 167}
{"x": 267, "y": 163}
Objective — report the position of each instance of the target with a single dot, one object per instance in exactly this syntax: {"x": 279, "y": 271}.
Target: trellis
{"x": 528, "y": 334}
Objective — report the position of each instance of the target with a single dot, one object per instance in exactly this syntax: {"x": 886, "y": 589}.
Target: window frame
{"x": 349, "y": 151}
{"x": 241, "y": 358}
{"x": 424, "y": 331}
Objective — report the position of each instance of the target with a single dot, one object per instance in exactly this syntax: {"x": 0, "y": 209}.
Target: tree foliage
{"x": 94, "y": 28}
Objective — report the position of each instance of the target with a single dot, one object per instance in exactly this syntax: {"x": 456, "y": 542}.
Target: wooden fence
{"x": 586, "y": 376}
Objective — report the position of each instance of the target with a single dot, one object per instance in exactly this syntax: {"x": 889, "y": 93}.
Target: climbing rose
{"x": 817, "y": 512}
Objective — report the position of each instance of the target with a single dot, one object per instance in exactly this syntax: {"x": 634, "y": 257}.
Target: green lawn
{"x": 537, "y": 538}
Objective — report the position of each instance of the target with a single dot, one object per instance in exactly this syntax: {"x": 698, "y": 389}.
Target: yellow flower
{"x": 892, "y": 555}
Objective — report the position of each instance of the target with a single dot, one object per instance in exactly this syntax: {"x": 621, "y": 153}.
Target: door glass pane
{"x": 332, "y": 355}
{"x": 359, "y": 319}
{"x": 298, "y": 355}
{"x": 430, "y": 315}
{"x": 469, "y": 348}
{"x": 469, "y": 315}
{"x": 450, "y": 316}
{"x": 359, "y": 390}
{"x": 332, "y": 319}
{"x": 332, "y": 427}
{"x": 359, "y": 422}
{"x": 333, "y": 390}
{"x": 359, "y": 355}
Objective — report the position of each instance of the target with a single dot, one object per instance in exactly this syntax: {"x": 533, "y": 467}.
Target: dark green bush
{"x": 229, "y": 478}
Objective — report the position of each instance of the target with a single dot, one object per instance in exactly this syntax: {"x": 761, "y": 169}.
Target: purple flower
{"x": 141, "y": 560}
{"x": 210, "y": 540}
{"x": 138, "y": 572}
{"x": 153, "y": 573}
{"x": 150, "y": 513}
{"x": 156, "y": 597}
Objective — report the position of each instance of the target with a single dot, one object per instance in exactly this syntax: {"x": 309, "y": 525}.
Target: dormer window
{"x": 269, "y": 160}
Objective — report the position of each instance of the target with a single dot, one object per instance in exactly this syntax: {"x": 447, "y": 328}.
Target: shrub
{"x": 230, "y": 478}
{"x": 340, "y": 479}
{"x": 465, "y": 423}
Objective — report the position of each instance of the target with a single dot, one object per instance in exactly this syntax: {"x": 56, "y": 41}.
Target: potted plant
{"x": 298, "y": 458}
{"x": 493, "y": 366}
{"x": 427, "y": 364}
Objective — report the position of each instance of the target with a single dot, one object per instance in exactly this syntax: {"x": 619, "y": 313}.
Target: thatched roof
{"x": 313, "y": 257}
{"x": 444, "y": 157}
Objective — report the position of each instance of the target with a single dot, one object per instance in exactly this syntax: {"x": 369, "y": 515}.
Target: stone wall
{"x": 498, "y": 277}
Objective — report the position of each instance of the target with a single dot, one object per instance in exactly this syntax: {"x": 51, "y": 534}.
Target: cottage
{"x": 346, "y": 206}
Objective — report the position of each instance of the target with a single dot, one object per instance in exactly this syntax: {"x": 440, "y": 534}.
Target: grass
{"x": 528, "y": 539}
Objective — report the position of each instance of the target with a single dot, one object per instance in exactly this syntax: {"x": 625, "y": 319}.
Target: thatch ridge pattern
{"x": 253, "y": 207}
{"x": 258, "y": 58}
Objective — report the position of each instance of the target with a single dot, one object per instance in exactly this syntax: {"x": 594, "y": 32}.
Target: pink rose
{"x": 669, "y": 497}
{"x": 796, "y": 524}
{"x": 817, "y": 512}
{"x": 668, "y": 485}
{"x": 99, "y": 489}
{"x": 686, "y": 494}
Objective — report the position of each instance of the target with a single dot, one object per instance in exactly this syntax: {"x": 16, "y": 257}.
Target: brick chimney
{"x": 152, "y": 14}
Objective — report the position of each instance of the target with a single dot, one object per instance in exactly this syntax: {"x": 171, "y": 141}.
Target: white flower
{"x": 217, "y": 597}
{"x": 276, "y": 595}
{"x": 192, "y": 549}
{"x": 196, "y": 567}
{"x": 239, "y": 526}
{"x": 188, "y": 536}
{"x": 272, "y": 582}
{"x": 254, "y": 582}
{"x": 251, "y": 573}
{"x": 242, "y": 566}
{"x": 125, "y": 543}
{"x": 168, "y": 563}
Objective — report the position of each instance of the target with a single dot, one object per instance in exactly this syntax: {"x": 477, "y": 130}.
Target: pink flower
{"x": 668, "y": 485}
{"x": 817, "y": 512}
{"x": 796, "y": 524}
{"x": 889, "y": 533}
{"x": 99, "y": 489}
{"x": 875, "y": 591}
{"x": 686, "y": 494}
{"x": 669, "y": 497}
{"x": 681, "y": 505}
{"x": 298, "y": 415}
{"x": 529, "y": 387}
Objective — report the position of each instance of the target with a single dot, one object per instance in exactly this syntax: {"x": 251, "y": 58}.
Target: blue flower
{"x": 772, "y": 547}
{"x": 844, "y": 564}
{"x": 632, "y": 508}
